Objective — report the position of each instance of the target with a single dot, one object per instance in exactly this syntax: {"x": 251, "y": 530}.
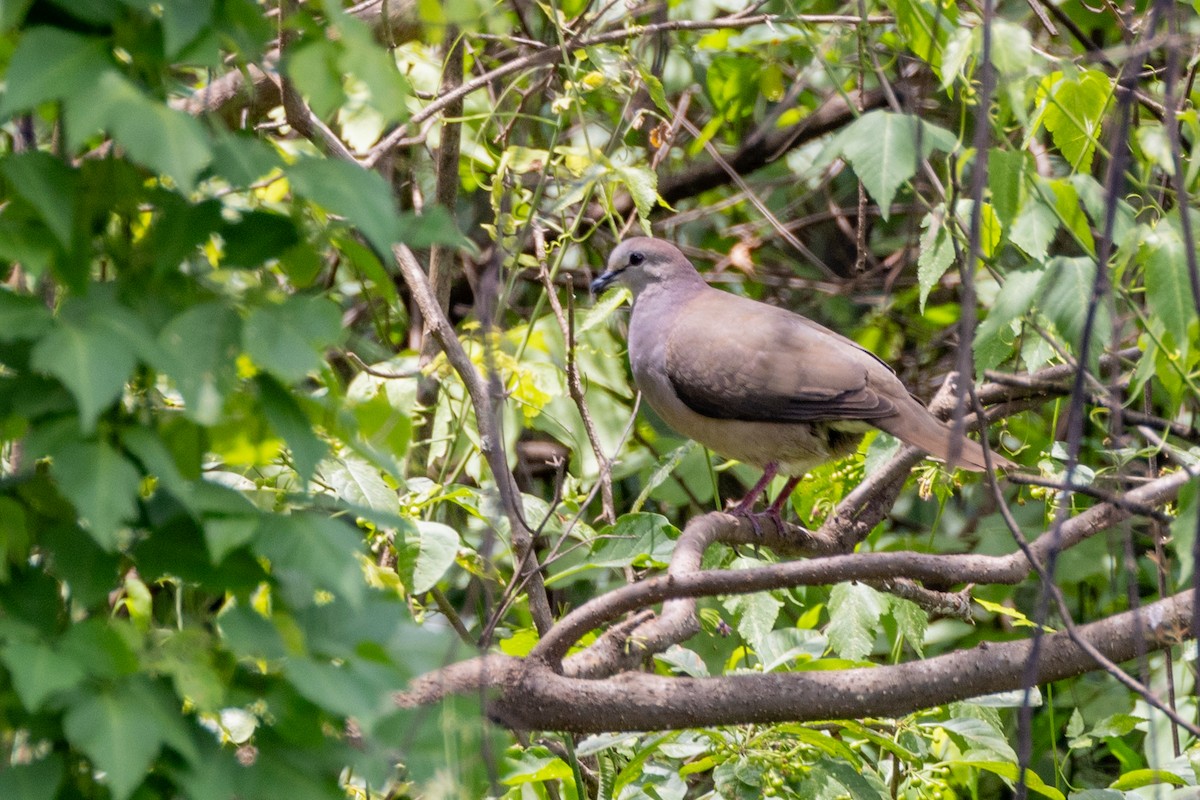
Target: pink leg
{"x": 774, "y": 511}
{"x": 746, "y": 505}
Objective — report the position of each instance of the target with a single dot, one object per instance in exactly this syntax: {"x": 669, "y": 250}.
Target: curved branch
{"x": 539, "y": 698}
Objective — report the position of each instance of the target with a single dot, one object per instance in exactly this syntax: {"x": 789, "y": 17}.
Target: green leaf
{"x": 103, "y": 486}
{"x": 39, "y": 672}
{"x": 1136, "y": 779}
{"x": 359, "y": 483}
{"x": 123, "y": 729}
{"x": 363, "y": 58}
{"x": 883, "y": 148}
{"x": 1035, "y": 227}
{"x": 857, "y": 781}
{"x": 199, "y": 352}
{"x": 996, "y": 337}
{"x": 854, "y": 613}
{"x": 358, "y": 194}
{"x": 635, "y": 540}
{"x": 22, "y": 317}
{"x": 1012, "y": 50}
{"x": 163, "y": 139}
{"x": 925, "y": 26}
{"x": 38, "y": 780}
{"x": 1010, "y": 772}
{"x": 426, "y": 557}
{"x": 755, "y": 613}
{"x": 257, "y": 237}
{"x": 182, "y": 22}
{"x": 289, "y": 421}
{"x": 313, "y": 68}
{"x": 937, "y": 253}
{"x": 289, "y": 338}
{"x": 1168, "y": 286}
{"x": 48, "y": 185}
{"x": 911, "y": 622}
{"x": 310, "y": 554}
{"x": 977, "y": 738}
{"x": 242, "y": 160}
{"x": 32, "y": 78}
{"x": 91, "y": 362}
{"x": 356, "y": 689}
{"x": 1006, "y": 174}
{"x": 642, "y": 183}
{"x": 1072, "y": 109}
{"x": 1065, "y": 292}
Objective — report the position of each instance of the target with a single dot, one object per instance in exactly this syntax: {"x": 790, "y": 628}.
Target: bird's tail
{"x": 916, "y": 426}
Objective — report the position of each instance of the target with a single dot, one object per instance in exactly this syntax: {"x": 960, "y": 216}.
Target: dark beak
{"x": 602, "y": 282}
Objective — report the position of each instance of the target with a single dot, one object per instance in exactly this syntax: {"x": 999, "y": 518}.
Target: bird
{"x": 758, "y": 383}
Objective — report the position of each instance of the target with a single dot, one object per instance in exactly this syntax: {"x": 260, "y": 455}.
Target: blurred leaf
{"x": 39, "y": 671}
{"x": 122, "y": 730}
{"x": 257, "y": 237}
{"x": 200, "y": 348}
{"x": 289, "y": 338}
{"x": 50, "y": 186}
{"x": 1010, "y": 772}
{"x": 32, "y": 78}
{"x": 182, "y": 22}
{"x": 1064, "y": 295}
{"x": 91, "y": 363}
{"x": 311, "y": 553}
{"x": 22, "y": 317}
{"x": 358, "y": 194}
{"x": 102, "y": 484}
{"x": 38, "y": 780}
{"x": 313, "y": 67}
{"x": 289, "y": 421}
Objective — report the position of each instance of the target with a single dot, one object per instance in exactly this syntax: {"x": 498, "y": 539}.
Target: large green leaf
{"x": 289, "y": 421}
{"x": 39, "y": 671}
{"x": 885, "y": 149}
{"x": 1064, "y": 294}
{"x": 424, "y": 558}
{"x": 310, "y": 554}
{"x": 1168, "y": 285}
{"x": 102, "y": 484}
{"x": 38, "y": 780}
{"x": 123, "y": 728}
{"x": 289, "y": 338}
{"x": 359, "y": 483}
{"x": 359, "y": 195}
{"x": 48, "y": 185}
{"x": 1072, "y": 109}
{"x": 51, "y": 64}
{"x": 91, "y": 362}
{"x": 995, "y": 339}
{"x": 199, "y": 351}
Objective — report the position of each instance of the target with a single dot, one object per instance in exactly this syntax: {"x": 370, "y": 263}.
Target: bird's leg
{"x": 745, "y": 506}
{"x": 775, "y": 510}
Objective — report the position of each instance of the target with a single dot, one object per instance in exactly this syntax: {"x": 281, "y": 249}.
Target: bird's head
{"x": 643, "y": 262}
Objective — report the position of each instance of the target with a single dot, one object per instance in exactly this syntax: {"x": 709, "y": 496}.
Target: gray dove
{"x": 757, "y": 383}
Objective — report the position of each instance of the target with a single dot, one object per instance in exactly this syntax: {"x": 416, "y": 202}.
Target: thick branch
{"x": 539, "y": 698}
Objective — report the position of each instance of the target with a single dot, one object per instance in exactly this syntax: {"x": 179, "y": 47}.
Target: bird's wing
{"x": 732, "y": 358}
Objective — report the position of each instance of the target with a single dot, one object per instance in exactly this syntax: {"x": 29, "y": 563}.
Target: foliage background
{"x": 243, "y": 500}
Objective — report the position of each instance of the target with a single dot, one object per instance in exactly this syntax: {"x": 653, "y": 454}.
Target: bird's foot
{"x": 756, "y": 518}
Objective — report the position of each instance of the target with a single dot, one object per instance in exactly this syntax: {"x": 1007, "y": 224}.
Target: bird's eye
{"x": 635, "y": 259}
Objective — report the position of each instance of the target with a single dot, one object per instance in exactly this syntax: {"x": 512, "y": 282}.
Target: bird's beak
{"x": 602, "y": 282}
